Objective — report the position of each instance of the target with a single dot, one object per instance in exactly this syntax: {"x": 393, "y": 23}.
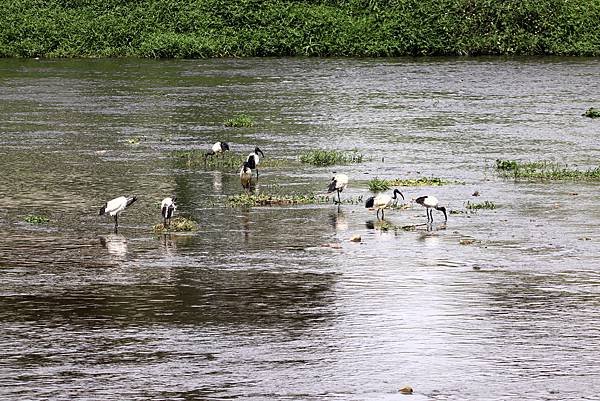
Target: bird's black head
{"x": 257, "y": 151}
{"x": 397, "y": 192}
{"x": 442, "y": 209}
{"x": 173, "y": 199}
{"x": 224, "y": 146}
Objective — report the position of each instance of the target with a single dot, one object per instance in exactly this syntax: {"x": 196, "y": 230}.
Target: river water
{"x": 275, "y": 303}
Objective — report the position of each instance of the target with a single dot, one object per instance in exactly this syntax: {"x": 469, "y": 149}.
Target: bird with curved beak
{"x": 167, "y": 209}
{"x": 253, "y": 159}
{"x": 431, "y": 202}
{"x": 246, "y": 176}
{"x": 116, "y": 206}
{"x": 218, "y": 148}
{"x": 382, "y": 201}
{"x": 338, "y": 183}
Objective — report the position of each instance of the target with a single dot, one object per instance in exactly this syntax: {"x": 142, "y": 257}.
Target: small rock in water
{"x": 355, "y": 238}
{"x": 466, "y": 241}
{"x": 476, "y": 193}
{"x": 406, "y": 390}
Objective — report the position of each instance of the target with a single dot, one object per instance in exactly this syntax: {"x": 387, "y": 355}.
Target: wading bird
{"x": 116, "y": 206}
{"x": 167, "y": 208}
{"x": 431, "y": 202}
{"x": 253, "y": 159}
{"x": 338, "y": 183}
{"x": 382, "y": 201}
{"x": 218, "y": 147}
{"x": 246, "y": 176}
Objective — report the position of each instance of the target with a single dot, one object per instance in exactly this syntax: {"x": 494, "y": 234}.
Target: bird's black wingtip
{"x": 102, "y": 210}
{"x": 370, "y": 202}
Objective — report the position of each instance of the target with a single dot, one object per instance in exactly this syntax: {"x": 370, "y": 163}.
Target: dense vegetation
{"x": 220, "y": 28}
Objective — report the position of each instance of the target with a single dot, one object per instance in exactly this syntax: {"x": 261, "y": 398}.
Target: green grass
{"x": 263, "y": 199}
{"x": 592, "y": 113}
{"x": 331, "y": 157}
{"x": 544, "y": 170}
{"x": 178, "y": 224}
{"x": 379, "y": 184}
{"x": 488, "y": 205}
{"x": 257, "y": 28}
{"x": 198, "y": 159}
{"x": 241, "y": 120}
{"x": 36, "y": 219}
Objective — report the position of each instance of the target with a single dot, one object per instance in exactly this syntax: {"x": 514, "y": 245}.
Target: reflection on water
{"x": 270, "y": 303}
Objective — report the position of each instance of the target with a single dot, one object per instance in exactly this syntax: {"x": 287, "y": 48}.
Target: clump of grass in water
{"x": 331, "y": 157}
{"x": 242, "y": 120}
{"x": 36, "y": 219}
{"x": 378, "y": 184}
{"x": 544, "y": 170}
{"x": 178, "y": 224}
{"x": 592, "y": 112}
{"x": 198, "y": 158}
{"x": 248, "y": 199}
{"x": 478, "y": 206}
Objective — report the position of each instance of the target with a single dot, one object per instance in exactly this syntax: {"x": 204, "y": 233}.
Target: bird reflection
{"x": 115, "y": 244}
{"x": 246, "y": 224}
{"x": 338, "y": 220}
{"x": 217, "y": 181}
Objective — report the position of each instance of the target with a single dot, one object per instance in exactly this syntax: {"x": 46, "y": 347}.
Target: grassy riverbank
{"x": 218, "y": 28}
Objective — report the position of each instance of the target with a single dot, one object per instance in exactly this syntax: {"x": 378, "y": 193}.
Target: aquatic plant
{"x": 544, "y": 170}
{"x": 331, "y": 157}
{"x": 198, "y": 158}
{"x": 263, "y": 199}
{"x": 36, "y": 219}
{"x": 178, "y": 224}
{"x": 478, "y": 206}
{"x": 378, "y": 184}
{"x": 242, "y": 120}
{"x": 135, "y": 140}
{"x": 592, "y": 112}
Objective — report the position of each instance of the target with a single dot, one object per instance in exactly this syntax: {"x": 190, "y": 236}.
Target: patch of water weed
{"x": 479, "y": 206}
{"x": 544, "y": 170}
{"x": 178, "y": 224}
{"x": 592, "y": 112}
{"x": 198, "y": 158}
{"x": 239, "y": 121}
{"x": 36, "y": 219}
{"x": 331, "y": 157}
{"x": 264, "y": 199}
{"x": 379, "y": 184}
{"x": 136, "y": 140}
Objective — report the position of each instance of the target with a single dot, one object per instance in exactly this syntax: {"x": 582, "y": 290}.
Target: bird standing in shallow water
{"x": 167, "y": 208}
{"x": 116, "y": 206}
{"x": 218, "y": 147}
{"x": 382, "y": 201}
{"x": 431, "y": 202}
{"x": 338, "y": 183}
{"x": 253, "y": 159}
{"x": 246, "y": 176}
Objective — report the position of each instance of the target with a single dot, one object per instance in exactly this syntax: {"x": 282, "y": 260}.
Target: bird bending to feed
{"x": 338, "y": 183}
{"x": 116, "y": 206}
{"x": 246, "y": 176}
{"x": 431, "y": 202}
{"x": 253, "y": 159}
{"x": 167, "y": 208}
{"x": 218, "y": 147}
{"x": 382, "y": 201}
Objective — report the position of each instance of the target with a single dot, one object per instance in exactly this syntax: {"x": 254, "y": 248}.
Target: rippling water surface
{"x": 275, "y": 303}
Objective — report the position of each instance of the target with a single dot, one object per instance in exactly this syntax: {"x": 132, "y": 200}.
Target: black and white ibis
{"x": 338, "y": 183}
{"x": 246, "y": 176}
{"x": 253, "y": 159}
{"x": 218, "y": 147}
{"x": 430, "y": 203}
{"x": 116, "y": 206}
{"x": 167, "y": 209}
{"x": 382, "y": 201}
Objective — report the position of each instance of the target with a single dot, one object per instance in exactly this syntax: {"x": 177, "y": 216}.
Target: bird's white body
{"x": 338, "y": 183}
{"x": 253, "y": 160}
{"x": 382, "y": 201}
{"x": 430, "y": 201}
{"x": 218, "y": 147}
{"x": 168, "y": 207}
{"x": 246, "y": 176}
{"x": 254, "y": 156}
{"x": 117, "y": 205}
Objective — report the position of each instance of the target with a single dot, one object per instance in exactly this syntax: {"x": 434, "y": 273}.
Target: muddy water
{"x": 274, "y": 303}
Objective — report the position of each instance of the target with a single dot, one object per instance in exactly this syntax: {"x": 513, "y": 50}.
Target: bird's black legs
{"x": 116, "y": 223}
{"x": 382, "y": 215}
{"x": 339, "y": 200}
{"x": 257, "y": 174}
{"x": 166, "y": 223}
